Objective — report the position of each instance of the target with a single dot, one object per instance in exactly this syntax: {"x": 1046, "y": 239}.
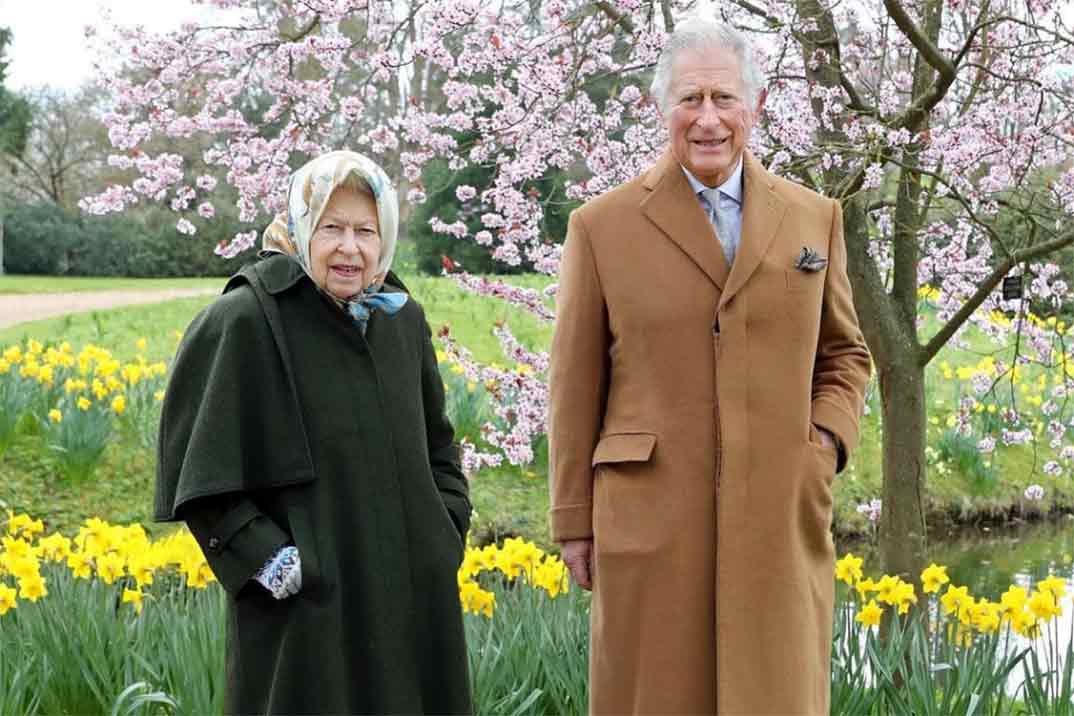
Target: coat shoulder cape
{"x": 232, "y": 369}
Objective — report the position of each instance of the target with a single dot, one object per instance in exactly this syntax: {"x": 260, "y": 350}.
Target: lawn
{"x": 12, "y": 284}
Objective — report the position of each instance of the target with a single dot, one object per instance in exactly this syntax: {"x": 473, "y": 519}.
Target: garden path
{"x": 19, "y": 308}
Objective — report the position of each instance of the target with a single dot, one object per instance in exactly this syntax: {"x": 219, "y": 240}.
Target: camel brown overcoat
{"x": 684, "y": 405}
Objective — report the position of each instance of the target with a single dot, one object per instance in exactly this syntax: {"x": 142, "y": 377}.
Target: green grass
{"x": 64, "y": 284}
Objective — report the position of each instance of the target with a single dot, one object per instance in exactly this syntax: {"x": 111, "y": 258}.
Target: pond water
{"x": 989, "y": 560}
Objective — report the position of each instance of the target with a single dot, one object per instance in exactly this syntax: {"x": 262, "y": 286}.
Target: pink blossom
{"x": 871, "y": 509}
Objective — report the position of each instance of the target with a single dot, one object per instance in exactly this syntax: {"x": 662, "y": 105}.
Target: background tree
{"x": 943, "y": 128}
{"x": 64, "y": 149}
{"x": 14, "y": 111}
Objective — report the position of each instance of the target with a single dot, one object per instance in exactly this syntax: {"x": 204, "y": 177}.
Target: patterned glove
{"x": 282, "y": 573}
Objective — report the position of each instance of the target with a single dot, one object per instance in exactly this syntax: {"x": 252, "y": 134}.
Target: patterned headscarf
{"x": 311, "y": 186}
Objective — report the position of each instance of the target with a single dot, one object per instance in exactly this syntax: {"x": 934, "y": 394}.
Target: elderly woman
{"x": 304, "y": 441}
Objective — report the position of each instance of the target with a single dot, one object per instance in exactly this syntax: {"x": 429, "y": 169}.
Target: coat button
{"x": 214, "y": 542}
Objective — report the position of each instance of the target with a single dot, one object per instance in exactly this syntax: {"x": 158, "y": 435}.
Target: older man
{"x": 706, "y": 385}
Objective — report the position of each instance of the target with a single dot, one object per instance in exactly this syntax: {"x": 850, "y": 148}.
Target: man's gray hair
{"x": 698, "y": 33}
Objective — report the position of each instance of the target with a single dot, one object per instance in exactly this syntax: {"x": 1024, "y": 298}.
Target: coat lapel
{"x": 672, "y": 206}
{"x": 762, "y": 214}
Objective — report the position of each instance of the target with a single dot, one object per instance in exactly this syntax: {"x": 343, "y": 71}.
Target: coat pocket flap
{"x": 624, "y": 447}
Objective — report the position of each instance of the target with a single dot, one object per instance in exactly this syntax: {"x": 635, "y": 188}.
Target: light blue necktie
{"x": 712, "y": 200}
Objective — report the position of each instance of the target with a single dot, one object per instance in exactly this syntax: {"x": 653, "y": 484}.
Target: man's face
{"x": 709, "y": 118}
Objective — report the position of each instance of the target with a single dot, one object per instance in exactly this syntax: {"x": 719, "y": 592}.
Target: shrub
{"x": 42, "y": 238}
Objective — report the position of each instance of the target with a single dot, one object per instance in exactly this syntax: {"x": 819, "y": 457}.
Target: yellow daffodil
{"x": 119, "y": 405}
{"x": 954, "y": 598}
{"x": 133, "y": 596}
{"x": 1057, "y": 586}
{"x": 870, "y": 614}
{"x": 141, "y": 344}
{"x": 132, "y": 373}
{"x": 55, "y": 416}
{"x": 1043, "y": 605}
{"x": 848, "y": 569}
{"x": 80, "y": 565}
{"x": 551, "y": 576}
{"x": 864, "y": 587}
{"x": 100, "y": 390}
{"x": 886, "y": 588}
{"x": 7, "y": 599}
{"x": 16, "y": 547}
{"x": 17, "y": 523}
{"x": 83, "y": 403}
{"x": 141, "y": 568}
{"x": 32, "y": 588}
{"x": 476, "y": 600}
{"x": 24, "y": 567}
{"x": 1013, "y": 600}
{"x": 55, "y": 547}
{"x": 986, "y": 616}
{"x": 932, "y": 578}
{"x": 1024, "y": 622}
{"x": 903, "y": 596}
{"x": 110, "y": 567}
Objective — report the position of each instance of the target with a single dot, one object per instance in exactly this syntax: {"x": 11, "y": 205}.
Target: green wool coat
{"x": 283, "y": 424}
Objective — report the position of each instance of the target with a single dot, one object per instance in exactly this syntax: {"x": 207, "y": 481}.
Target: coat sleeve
{"x": 843, "y": 364}
{"x": 227, "y": 431}
{"x": 235, "y": 536}
{"x": 440, "y": 436}
{"x": 578, "y": 385}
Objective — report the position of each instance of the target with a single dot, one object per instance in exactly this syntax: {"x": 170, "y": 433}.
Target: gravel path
{"x": 18, "y": 308}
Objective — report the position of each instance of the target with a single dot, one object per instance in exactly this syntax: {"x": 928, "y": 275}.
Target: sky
{"x": 48, "y": 45}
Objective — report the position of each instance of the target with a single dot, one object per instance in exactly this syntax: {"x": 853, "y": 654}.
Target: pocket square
{"x": 810, "y": 261}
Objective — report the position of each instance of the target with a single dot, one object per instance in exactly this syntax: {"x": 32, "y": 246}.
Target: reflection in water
{"x": 989, "y": 561}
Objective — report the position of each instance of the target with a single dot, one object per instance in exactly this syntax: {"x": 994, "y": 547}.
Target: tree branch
{"x": 929, "y": 351}
{"x": 616, "y": 17}
{"x": 929, "y": 51}
{"x": 669, "y": 18}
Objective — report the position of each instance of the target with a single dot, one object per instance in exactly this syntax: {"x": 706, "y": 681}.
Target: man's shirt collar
{"x": 732, "y": 187}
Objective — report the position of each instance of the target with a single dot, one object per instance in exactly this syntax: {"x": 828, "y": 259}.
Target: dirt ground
{"x": 19, "y": 308}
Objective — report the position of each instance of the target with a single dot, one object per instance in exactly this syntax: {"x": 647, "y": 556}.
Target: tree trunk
{"x": 902, "y": 520}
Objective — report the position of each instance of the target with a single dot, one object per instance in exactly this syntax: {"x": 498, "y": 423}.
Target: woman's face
{"x": 345, "y": 247}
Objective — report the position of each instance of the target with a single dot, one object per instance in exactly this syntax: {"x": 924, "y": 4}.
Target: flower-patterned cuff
{"x": 281, "y": 575}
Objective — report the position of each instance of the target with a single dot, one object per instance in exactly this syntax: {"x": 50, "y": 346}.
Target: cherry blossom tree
{"x": 943, "y": 127}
